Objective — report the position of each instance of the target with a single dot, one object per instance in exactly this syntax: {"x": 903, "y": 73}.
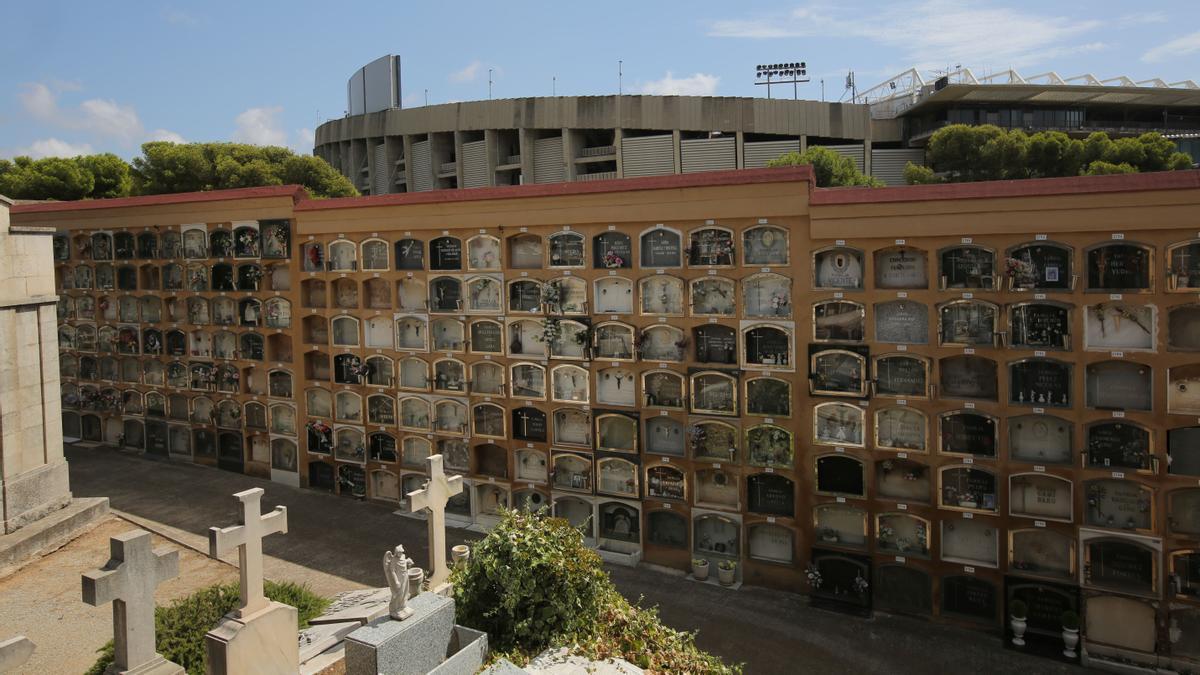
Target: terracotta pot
{"x": 1018, "y": 629}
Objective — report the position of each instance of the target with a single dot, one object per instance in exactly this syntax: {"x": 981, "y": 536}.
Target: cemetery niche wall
{"x": 825, "y": 388}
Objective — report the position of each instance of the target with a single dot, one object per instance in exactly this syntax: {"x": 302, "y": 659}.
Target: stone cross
{"x": 434, "y": 496}
{"x": 247, "y": 537}
{"x": 128, "y": 581}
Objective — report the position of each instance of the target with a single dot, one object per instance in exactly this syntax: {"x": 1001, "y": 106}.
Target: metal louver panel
{"x": 647, "y": 156}
{"x": 887, "y": 164}
{"x": 708, "y": 154}
{"x": 422, "y": 167}
{"x": 474, "y": 164}
{"x": 755, "y": 155}
{"x": 380, "y": 171}
{"x": 548, "y": 164}
{"x": 854, "y": 152}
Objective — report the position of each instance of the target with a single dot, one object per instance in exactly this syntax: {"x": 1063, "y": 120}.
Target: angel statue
{"x": 395, "y": 570}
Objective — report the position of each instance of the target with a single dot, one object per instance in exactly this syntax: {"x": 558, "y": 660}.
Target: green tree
{"x": 187, "y": 167}
{"x": 48, "y": 178}
{"x": 829, "y": 168}
{"x": 1053, "y": 153}
{"x": 112, "y": 175}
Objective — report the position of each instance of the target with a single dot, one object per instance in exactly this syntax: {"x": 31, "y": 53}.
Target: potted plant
{"x": 700, "y": 569}
{"x": 1070, "y": 624}
{"x": 725, "y": 572}
{"x": 1017, "y": 612}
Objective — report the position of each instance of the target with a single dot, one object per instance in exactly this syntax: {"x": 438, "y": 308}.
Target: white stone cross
{"x": 128, "y": 581}
{"x": 247, "y": 537}
{"x": 434, "y": 496}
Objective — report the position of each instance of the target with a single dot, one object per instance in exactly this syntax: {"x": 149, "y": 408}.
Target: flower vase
{"x": 416, "y": 579}
{"x": 700, "y": 570}
{"x": 1070, "y": 639}
{"x": 726, "y": 576}
{"x": 1018, "y": 629}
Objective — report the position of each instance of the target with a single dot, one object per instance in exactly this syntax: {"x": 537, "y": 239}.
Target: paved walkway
{"x": 342, "y": 539}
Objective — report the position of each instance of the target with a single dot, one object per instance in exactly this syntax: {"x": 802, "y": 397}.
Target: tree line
{"x": 962, "y": 153}
{"x": 165, "y": 167}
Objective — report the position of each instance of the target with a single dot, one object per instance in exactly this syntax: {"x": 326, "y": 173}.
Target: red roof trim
{"x": 1034, "y": 187}
{"x": 296, "y": 192}
{"x": 705, "y": 179}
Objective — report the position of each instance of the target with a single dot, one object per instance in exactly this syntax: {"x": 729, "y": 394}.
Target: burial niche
{"x": 663, "y": 389}
{"x": 771, "y": 494}
{"x": 525, "y": 252}
{"x": 716, "y": 343}
{"x": 612, "y": 250}
{"x": 771, "y": 543}
{"x": 765, "y": 245}
{"x": 768, "y": 397}
{"x": 487, "y": 337}
{"x": 967, "y": 267}
{"x": 769, "y": 446}
{"x": 617, "y": 432}
{"x": 613, "y": 295}
{"x": 901, "y": 428}
{"x": 902, "y": 534}
{"x": 1185, "y": 573}
{"x": 566, "y": 249}
{"x": 840, "y": 579}
{"x": 1118, "y": 444}
{"x": 572, "y": 426}
{"x": 713, "y": 296}
{"x": 969, "y": 597}
{"x": 838, "y": 372}
{"x": 1119, "y": 325}
{"x": 661, "y": 295}
{"x": 1038, "y": 495}
{"x": 661, "y": 247}
{"x": 666, "y": 482}
{"x": 968, "y": 377}
{"x": 1042, "y": 552}
{"x": 767, "y": 295}
{"x": 1183, "y": 512}
{"x": 840, "y": 525}
{"x": 1183, "y": 327}
{"x": 1119, "y": 504}
{"x": 967, "y": 323}
{"x": 967, "y": 488}
{"x": 902, "y": 322}
{"x": 838, "y": 267}
{"x": 1183, "y": 451}
{"x": 483, "y": 253}
{"x": 1040, "y": 439}
{"x": 838, "y": 424}
{"x": 714, "y": 441}
{"x": 970, "y": 541}
{"x": 1039, "y": 265}
{"x": 529, "y": 424}
{"x": 578, "y": 513}
{"x": 840, "y": 475}
{"x": 713, "y": 534}
{"x": 900, "y": 268}
{"x": 1040, "y": 382}
{"x": 410, "y": 254}
{"x": 716, "y": 488}
{"x": 1119, "y": 385}
{"x": 710, "y": 246}
{"x": 901, "y": 376}
{"x": 665, "y": 436}
{"x": 767, "y": 345}
{"x": 839, "y": 320}
{"x": 1121, "y": 266}
{"x": 714, "y": 393}
{"x": 1040, "y": 325}
{"x": 616, "y": 386}
{"x": 530, "y": 465}
{"x": 666, "y": 528}
{"x": 617, "y": 477}
{"x": 445, "y": 253}
{"x": 571, "y": 472}
{"x": 1183, "y": 390}
{"x": 1122, "y": 565}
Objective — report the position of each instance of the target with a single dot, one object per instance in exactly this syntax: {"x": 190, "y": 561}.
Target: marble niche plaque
{"x": 973, "y": 541}
{"x": 1183, "y": 390}
{"x": 665, "y": 436}
{"x": 765, "y": 246}
{"x": 525, "y": 251}
{"x": 620, "y": 522}
{"x": 716, "y": 488}
{"x": 1118, "y": 445}
{"x": 665, "y": 482}
{"x": 967, "y": 267}
{"x": 566, "y": 249}
{"x": 902, "y": 322}
{"x": 902, "y": 479}
{"x": 1119, "y": 325}
{"x": 838, "y": 267}
{"x": 970, "y": 597}
{"x": 901, "y": 429}
{"x": 966, "y": 488}
{"x": 1039, "y": 439}
{"x": 1183, "y": 511}
{"x": 838, "y": 474}
{"x": 1042, "y": 552}
{"x": 838, "y": 320}
{"x": 529, "y": 424}
{"x": 1040, "y": 382}
{"x": 1121, "y": 565}
{"x": 1119, "y": 504}
{"x": 841, "y": 524}
{"x": 967, "y": 322}
{"x": 661, "y": 248}
{"x": 1040, "y": 325}
{"x": 612, "y": 250}
{"x": 838, "y": 372}
{"x": 838, "y": 424}
{"x": 901, "y": 267}
{"x": 445, "y": 253}
{"x": 898, "y": 376}
{"x": 771, "y": 494}
{"x": 1183, "y": 327}
{"x": 970, "y": 377}
{"x": 1118, "y": 267}
{"x": 968, "y": 433}
{"x": 1035, "y": 495}
{"x": 666, "y": 528}
{"x": 487, "y": 337}
{"x": 716, "y": 535}
{"x": 772, "y": 543}
{"x": 1183, "y": 449}
{"x": 768, "y": 396}
{"x": 1040, "y": 266}
{"x": 904, "y": 589}
{"x": 1119, "y": 385}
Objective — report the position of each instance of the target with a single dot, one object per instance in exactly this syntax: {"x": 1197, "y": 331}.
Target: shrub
{"x": 532, "y": 584}
{"x": 829, "y": 168}
{"x": 180, "y": 627}
{"x": 1103, "y": 168}
{"x": 915, "y": 174}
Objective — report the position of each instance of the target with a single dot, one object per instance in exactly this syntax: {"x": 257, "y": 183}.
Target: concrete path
{"x": 341, "y": 540}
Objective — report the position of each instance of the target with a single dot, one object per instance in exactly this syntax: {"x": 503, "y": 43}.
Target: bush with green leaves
{"x": 180, "y": 627}
{"x": 830, "y": 169}
{"x": 532, "y": 584}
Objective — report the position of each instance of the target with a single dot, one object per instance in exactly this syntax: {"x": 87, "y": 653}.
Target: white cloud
{"x": 260, "y": 126}
{"x": 102, "y": 117}
{"x": 165, "y": 135}
{"x": 305, "y": 140}
{"x": 1180, "y": 46}
{"x": 699, "y": 84}
{"x": 40, "y": 102}
{"x": 468, "y": 73}
{"x": 932, "y": 33}
{"x": 54, "y": 147}
{"x": 109, "y": 118}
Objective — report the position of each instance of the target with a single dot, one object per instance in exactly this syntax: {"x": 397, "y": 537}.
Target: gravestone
{"x": 434, "y": 496}
{"x": 128, "y": 582}
{"x": 425, "y": 642}
{"x": 14, "y": 652}
{"x": 260, "y": 635}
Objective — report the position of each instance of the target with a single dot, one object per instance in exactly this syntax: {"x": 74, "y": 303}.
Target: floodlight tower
{"x": 786, "y": 73}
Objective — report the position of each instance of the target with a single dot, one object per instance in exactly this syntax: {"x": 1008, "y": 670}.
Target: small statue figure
{"x": 395, "y": 570}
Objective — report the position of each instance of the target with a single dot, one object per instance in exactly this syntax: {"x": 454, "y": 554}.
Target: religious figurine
{"x": 395, "y": 570}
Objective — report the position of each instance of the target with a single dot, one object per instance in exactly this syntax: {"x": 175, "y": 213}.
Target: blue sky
{"x": 90, "y": 77}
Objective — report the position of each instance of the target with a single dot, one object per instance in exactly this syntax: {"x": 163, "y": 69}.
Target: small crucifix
{"x": 434, "y": 496}
{"x": 128, "y": 581}
{"x": 247, "y": 537}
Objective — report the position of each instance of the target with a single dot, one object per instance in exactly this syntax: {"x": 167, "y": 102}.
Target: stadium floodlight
{"x": 793, "y": 73}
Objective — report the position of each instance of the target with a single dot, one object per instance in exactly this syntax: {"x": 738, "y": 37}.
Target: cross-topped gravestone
{"x": 128, "y": 581}
{"x": 248, "y": 537}
{"x": 434, "y": 496}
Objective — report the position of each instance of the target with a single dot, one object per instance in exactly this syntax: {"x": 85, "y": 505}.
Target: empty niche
{"x": 974, "y": 542}
{"x": 1040, "y": 439}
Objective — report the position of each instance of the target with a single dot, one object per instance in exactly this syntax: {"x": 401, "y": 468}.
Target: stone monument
{"x": 33, "y": 471}
{"x": 434, "y": 496}
{"x": 14, "y": 652}
{"x": 260, "y": 635}
{"x": 128, "y": 582}
{"x": 395, "y": 570}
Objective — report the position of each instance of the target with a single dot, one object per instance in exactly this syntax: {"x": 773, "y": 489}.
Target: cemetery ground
{"x": 334, "y": 544}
